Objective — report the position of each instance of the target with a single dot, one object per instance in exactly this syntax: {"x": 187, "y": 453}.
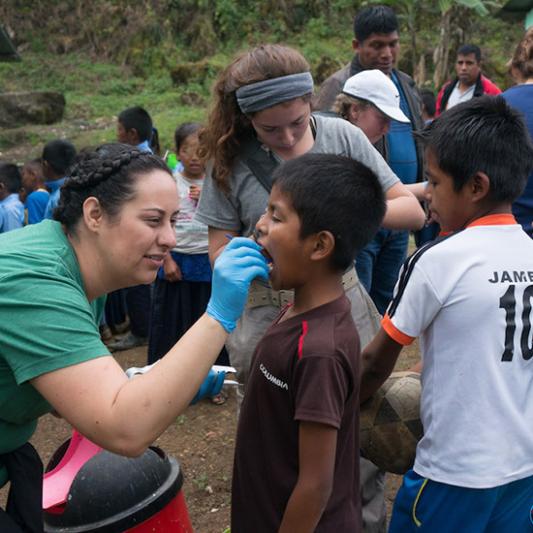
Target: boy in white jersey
{"x": 468, "y": 297}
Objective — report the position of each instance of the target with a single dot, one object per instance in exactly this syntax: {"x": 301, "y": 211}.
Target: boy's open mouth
{"x": 269, "y": 259}
{"x": 256, "y": 236}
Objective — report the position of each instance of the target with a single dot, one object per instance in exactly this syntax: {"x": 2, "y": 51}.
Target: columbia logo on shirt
{"x": 273, "y": 379}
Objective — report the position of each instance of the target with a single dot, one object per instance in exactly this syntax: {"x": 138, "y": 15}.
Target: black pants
{"x": 176, "y": 306}
{"x": 24, "y": 511}
{"x": 138, "y": 300}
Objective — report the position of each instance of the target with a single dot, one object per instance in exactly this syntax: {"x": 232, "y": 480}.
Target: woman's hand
{"x": 171, "y": 269}
{"x": 235, "y": 268}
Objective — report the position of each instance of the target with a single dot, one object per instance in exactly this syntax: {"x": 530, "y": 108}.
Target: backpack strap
{"x": 260, "y": 162}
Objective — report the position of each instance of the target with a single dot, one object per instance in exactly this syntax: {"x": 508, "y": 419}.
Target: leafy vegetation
{"x": 164, "y": 54}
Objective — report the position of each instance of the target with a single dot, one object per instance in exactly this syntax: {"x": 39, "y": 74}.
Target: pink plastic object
{"x": 57, "y": 482}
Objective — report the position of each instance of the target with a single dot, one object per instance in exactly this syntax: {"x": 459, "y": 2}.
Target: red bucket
{"x": 173, "y": 517}
{"x": 114, "y": 494}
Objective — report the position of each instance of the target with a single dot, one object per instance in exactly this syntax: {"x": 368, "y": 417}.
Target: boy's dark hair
{"x": 467, "y": 49}
{"x": 138, "y": 119}
{"x": 374, "y": 19}
{"x": 428, "y": 101}
{"x": 59, "y": 155}
{"x": 183, "y": 131}
{"x": 10, "y": 177}
{"x": 483, "y": 135}
{"x": 337, "y": 194}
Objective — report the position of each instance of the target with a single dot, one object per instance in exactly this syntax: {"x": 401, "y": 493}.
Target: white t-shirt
{"x": 191, "y": 235}
{"x": 456, "y": 96}
{"x": 469, "y": 299}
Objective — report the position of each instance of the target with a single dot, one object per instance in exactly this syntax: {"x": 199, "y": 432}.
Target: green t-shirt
{"x": 46, "y": 323}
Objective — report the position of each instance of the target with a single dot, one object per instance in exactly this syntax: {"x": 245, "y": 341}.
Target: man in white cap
{"x": 370, "y": 100}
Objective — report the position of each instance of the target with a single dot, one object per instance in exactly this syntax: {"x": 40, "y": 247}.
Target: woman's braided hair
{"x": 109, "y": 174}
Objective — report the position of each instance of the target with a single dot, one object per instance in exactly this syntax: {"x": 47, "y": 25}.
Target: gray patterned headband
{"x": 267, "y": 93}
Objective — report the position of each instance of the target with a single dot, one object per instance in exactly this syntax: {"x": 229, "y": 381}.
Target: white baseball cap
{"x": 378, "y": 89}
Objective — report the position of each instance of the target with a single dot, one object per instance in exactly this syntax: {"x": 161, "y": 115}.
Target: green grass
{"x": 95, "y": 92}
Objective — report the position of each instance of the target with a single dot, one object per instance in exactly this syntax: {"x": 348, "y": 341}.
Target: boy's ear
{"x": 324, "y": 244}
{"x": 92, "y": 213}
{"x": 479, "y": 186}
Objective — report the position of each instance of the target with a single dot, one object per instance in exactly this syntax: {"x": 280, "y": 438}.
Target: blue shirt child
{"x": 36, "y": 203}
{"x": 11, "y": 213}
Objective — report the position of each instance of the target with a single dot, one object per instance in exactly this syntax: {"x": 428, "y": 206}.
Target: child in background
{"x": 296, "y": 462}
{"x": 468, "y": 297}
{"x": 429, "y": 106}
{"x": 58, "y": 156}
{"x": 134, "y": 127}
{"x": 35, "y": 194}
{"x": 183, "y": 286}
{"x": 11, "y": 208}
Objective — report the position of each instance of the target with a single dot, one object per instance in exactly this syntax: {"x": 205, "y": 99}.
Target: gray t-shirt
{"x": 241, "y": 209}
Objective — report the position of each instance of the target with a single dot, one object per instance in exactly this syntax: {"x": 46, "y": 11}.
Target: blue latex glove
{"x": 211, "y": 385}
{"x": 234, "y": 270}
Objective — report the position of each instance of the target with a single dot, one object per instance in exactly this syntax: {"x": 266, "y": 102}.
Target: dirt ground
{"x": 202, "y": 440}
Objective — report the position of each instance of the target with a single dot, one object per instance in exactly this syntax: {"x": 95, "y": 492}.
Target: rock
{"x": 185, "y": 73}
{"x": 192, "y": 99}
{"x": 35, "y": 107}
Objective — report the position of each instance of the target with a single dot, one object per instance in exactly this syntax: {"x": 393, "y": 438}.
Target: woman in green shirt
{"x": 113, "y": 227}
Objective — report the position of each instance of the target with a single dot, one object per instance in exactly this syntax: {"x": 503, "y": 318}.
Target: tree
{"x": 441, "y": 53}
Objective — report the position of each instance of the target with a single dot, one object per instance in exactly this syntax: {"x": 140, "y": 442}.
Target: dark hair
{"x": 522, "y": 60}
{"x": 183, "y": 131}
{"x": 374, "y": 19}
{"x": 428, "y": 101}
{"x": 138, "y": 119}
{"x": 108, "y": 173}
{"x": 59, "y": 155}
{"x": 154, "y": 141}
{"x": 468, "y": 49}
{"x": 10, "y": 177}
{"x": 337, "y": 194}
{"x": 483, "y": 135}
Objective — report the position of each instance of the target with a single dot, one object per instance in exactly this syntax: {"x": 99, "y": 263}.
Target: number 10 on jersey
{"x": 508, "y": 303}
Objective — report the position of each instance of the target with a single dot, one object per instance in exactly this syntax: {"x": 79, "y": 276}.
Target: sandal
{"x": 219, "y": 399}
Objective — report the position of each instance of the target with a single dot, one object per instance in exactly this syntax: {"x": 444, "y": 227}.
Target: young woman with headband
{"x": 261, "y": 116}
{"x": 113, "y": 227}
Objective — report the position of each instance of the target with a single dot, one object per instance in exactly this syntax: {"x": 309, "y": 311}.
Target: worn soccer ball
{"x": 390, "y": 426}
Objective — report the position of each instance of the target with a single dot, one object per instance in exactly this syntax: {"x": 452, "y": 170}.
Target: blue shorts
{"x": 428, "y": 506}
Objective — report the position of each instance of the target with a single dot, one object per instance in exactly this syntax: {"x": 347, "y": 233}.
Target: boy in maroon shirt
{"x": 296, "y": 459}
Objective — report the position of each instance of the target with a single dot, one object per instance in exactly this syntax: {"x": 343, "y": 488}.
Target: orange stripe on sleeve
{"x": 394, "y": 333}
